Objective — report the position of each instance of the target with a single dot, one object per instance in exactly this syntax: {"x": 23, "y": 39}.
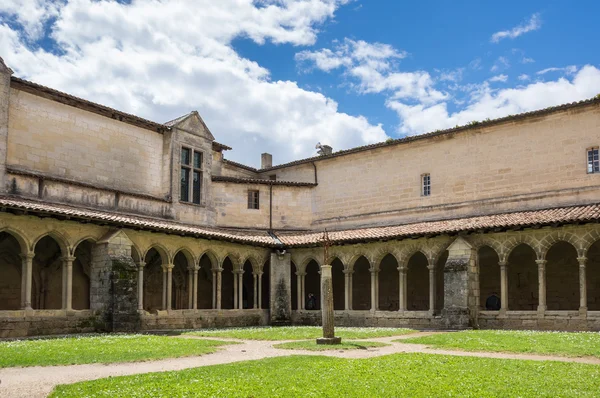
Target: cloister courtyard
{"x": 287, "y": 362}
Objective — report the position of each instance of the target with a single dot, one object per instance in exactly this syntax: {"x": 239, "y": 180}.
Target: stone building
{"x": 110, "y": 222}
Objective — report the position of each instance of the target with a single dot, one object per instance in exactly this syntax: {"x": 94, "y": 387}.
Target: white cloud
{"x": 455, "y": 75}
{"x": 489, "y": 103}
{"x": 527, "y": 60}
{"x": 160, "y": 60}
{"x": 501, "y": 63}
{"x": 498, "y": 78}
{"x": 569, "y": 70}
{"x": 523, "y": 77}
{"x": 534, "y": 23}
{"x": 30, "y": 14}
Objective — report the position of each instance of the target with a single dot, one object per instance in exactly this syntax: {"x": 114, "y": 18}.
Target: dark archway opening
{"x": 361, "y": 285}
{"x": 389, "y": 284}
{"x": 248, "y": 286}
{"x": 312, "y": 284}
{"x": 417, "y": 281}
{"x": 562, "y": 277}
{"x": 227, "y": 281}
{"x": 10, "y": 272}
{"x": 489, "y": 274}
{"x": 47, "y": 275}
{"x": 522, "y": 279}
{"x": 81, "y": 275}
{"x": 179, "y": 289}
{"x": 153, "y": 281}
{"x": 266, "y": 285}
{"x": 439, "y": 281}
{"x": 337, "y": 279}
{"x": 294, "y": 285}
{"x": 592, "y": 276}
{"x": 205, "y": 283}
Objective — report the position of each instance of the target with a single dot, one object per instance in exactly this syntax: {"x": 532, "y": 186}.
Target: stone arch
{"x": 380, "y": 254}
{"x": 562, "y": 276}
{"x": 59, "y": 238}
{"x": 312, "y": 282}
{"x": 207, "y": 263}
{"x": 82, "y": 271}
{"x": 165, "y": 254}
{"x": 339, "y": 285}
{"x": 306, "y": 261}
{"x": 479, "y": 241}
{"x": 389, "y": 283}
{"x": 254, "y": 262}
{"x": 189, "y": 256}
{"x": 589, "y": 239}
{"x": 417, "y": 282}
{"x": 47, "y": 280}
{"x": 522, "y": 239}
{"x": 592, "y": 270}
{"x": 24, "y": 245}
{"x": 136, "y": 254}
{"x": 183, "y": 261}
{"x": 10, "y": 271}
{"x": 227, "y": 283}
{"x": 214, "y": 259}
{"x": 154, "y": 278}
{"x": 489, "y": 275}
{"x": 562, "y": 236}
{"x": 361, "y": 283}
{"x": 522, "y": 276}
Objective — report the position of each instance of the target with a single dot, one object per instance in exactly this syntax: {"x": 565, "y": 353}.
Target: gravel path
{"x": 33, "y": 382}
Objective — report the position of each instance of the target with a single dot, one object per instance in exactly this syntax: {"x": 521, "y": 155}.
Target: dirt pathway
{"x": 33, "y": 382}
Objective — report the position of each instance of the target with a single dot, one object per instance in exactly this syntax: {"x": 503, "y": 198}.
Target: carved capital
{"x": 582, "y": 261}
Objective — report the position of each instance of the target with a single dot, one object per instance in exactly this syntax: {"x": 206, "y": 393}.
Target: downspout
{"x": 270, "y": 207}
{"x": 315, "y": 166}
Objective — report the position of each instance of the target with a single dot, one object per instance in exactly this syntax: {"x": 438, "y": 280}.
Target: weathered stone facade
{"x": 97, "y": 235}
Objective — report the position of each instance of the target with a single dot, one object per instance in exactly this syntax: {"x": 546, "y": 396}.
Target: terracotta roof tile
{"x": 237, "y": 180}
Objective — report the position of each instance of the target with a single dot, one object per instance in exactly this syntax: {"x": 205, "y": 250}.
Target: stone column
{"x": 280, "y": 294}
{"x": 459, "y": 311}
{"x": 503, "y": 288}
{"x": 542, "y": 286}
{"x": 373, "y": 289}
{"x": 190, "y": 288}
{"x": 218, "y": 290}
{"x": 195, "y": 288}
{"x": 140, "y": 284}
{"x": 402, "y": 280}
{"x": 164, "y": 292}
{"x": 170, "y": 286}
{"x": 255, "y": 287}
{"x": 68, "y": 282}
{"x": 235, "y": 289}
{"x": 260, "y": 274}
{"x": 26, "y": 277}
{"x": 241, "y": 292}
{"x": 347, "y": 282}
{"x": 431, "y": 268}
{"x": 327, "y": 314}
{"x": 214, "y": 289}
{"x": 300, "y": 289}
{"x": 582, "y": 286}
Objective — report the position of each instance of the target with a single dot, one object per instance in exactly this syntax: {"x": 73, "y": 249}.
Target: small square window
{"x": 593, "y": 165}
{"x": 253, "y": 199}
{"x": 425, "y": 185}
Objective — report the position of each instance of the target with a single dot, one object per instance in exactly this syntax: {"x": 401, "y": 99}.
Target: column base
{"x": 456, "y": 318}
{"x": 583, "y": 312}
{"x": 329, "y": 340}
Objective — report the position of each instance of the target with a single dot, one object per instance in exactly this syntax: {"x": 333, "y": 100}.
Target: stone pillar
{"x": 140, "y": 285}
{"x": 190, "y": 288}
{"x": 195, "y": 288}
{"x": 542, "y": 286}
{"x": 218, "y": 290}
{"x": 164, "y": 291}
{"x": 503, "y": 288}
{"x": 241, "y": 291}
{"x": 281, "y": 289}
{"x": 255, "y": 286}
{"x": 403, "y": 292}
{"x": 214, "y": 289}
{"x": 373, "y": 289}
{"x": 431, "y": 268}
{"x": 5, "y": 73}
{"x": 170, "y": 286}
{"x": 327, "y": 314}
{"x": 235, "y": 289}
{"x": 260, "y": 274}
{"x": 68, "y": 282}
{"x": 456, "y": 313}
{"x": 26, "y": 277}
{"x": 347, "y": 282}
{"x": 300, "y": 289}
{"x": 582, "y": 287}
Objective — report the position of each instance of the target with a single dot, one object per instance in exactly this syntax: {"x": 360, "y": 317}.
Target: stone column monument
{"x": 327, "y": 300}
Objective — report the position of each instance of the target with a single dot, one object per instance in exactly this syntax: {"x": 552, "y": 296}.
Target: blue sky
{"x": 280, "y": 75}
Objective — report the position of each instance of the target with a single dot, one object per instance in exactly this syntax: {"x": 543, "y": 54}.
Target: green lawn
{"x": 100, "y": 349}
{"x": 313, "y": 346}
{"x": 400, "y": 375}
{"x": 555, "y": 343}
{"x": 298, "y": 333}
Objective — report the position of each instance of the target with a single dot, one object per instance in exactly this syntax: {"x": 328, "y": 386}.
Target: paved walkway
{"x": 33, "y": 382}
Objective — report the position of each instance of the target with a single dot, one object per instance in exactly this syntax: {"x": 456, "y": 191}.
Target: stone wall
{"x": 197, "y": 319}
{"x": 416, "y": 320}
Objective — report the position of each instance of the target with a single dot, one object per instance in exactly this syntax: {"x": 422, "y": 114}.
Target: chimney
{"x": 266, "y": 160}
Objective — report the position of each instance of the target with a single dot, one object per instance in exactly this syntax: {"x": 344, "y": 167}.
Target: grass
{"x": 100, "y": 349}
{"x": 312, "y": 345}
{"x": 555, "y": 343}
{"x": 399, "y": 375}
{"x": 298, "y": 333}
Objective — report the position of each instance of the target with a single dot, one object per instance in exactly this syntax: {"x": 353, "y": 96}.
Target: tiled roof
{"x": 260, "y": 238}
{"x": 563, "y": 215}
{"x": 237, "y": 180}
{"x": 523, "y": 219}
{"x": 458, "y": 129}
{"x": 241, "y": 166}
